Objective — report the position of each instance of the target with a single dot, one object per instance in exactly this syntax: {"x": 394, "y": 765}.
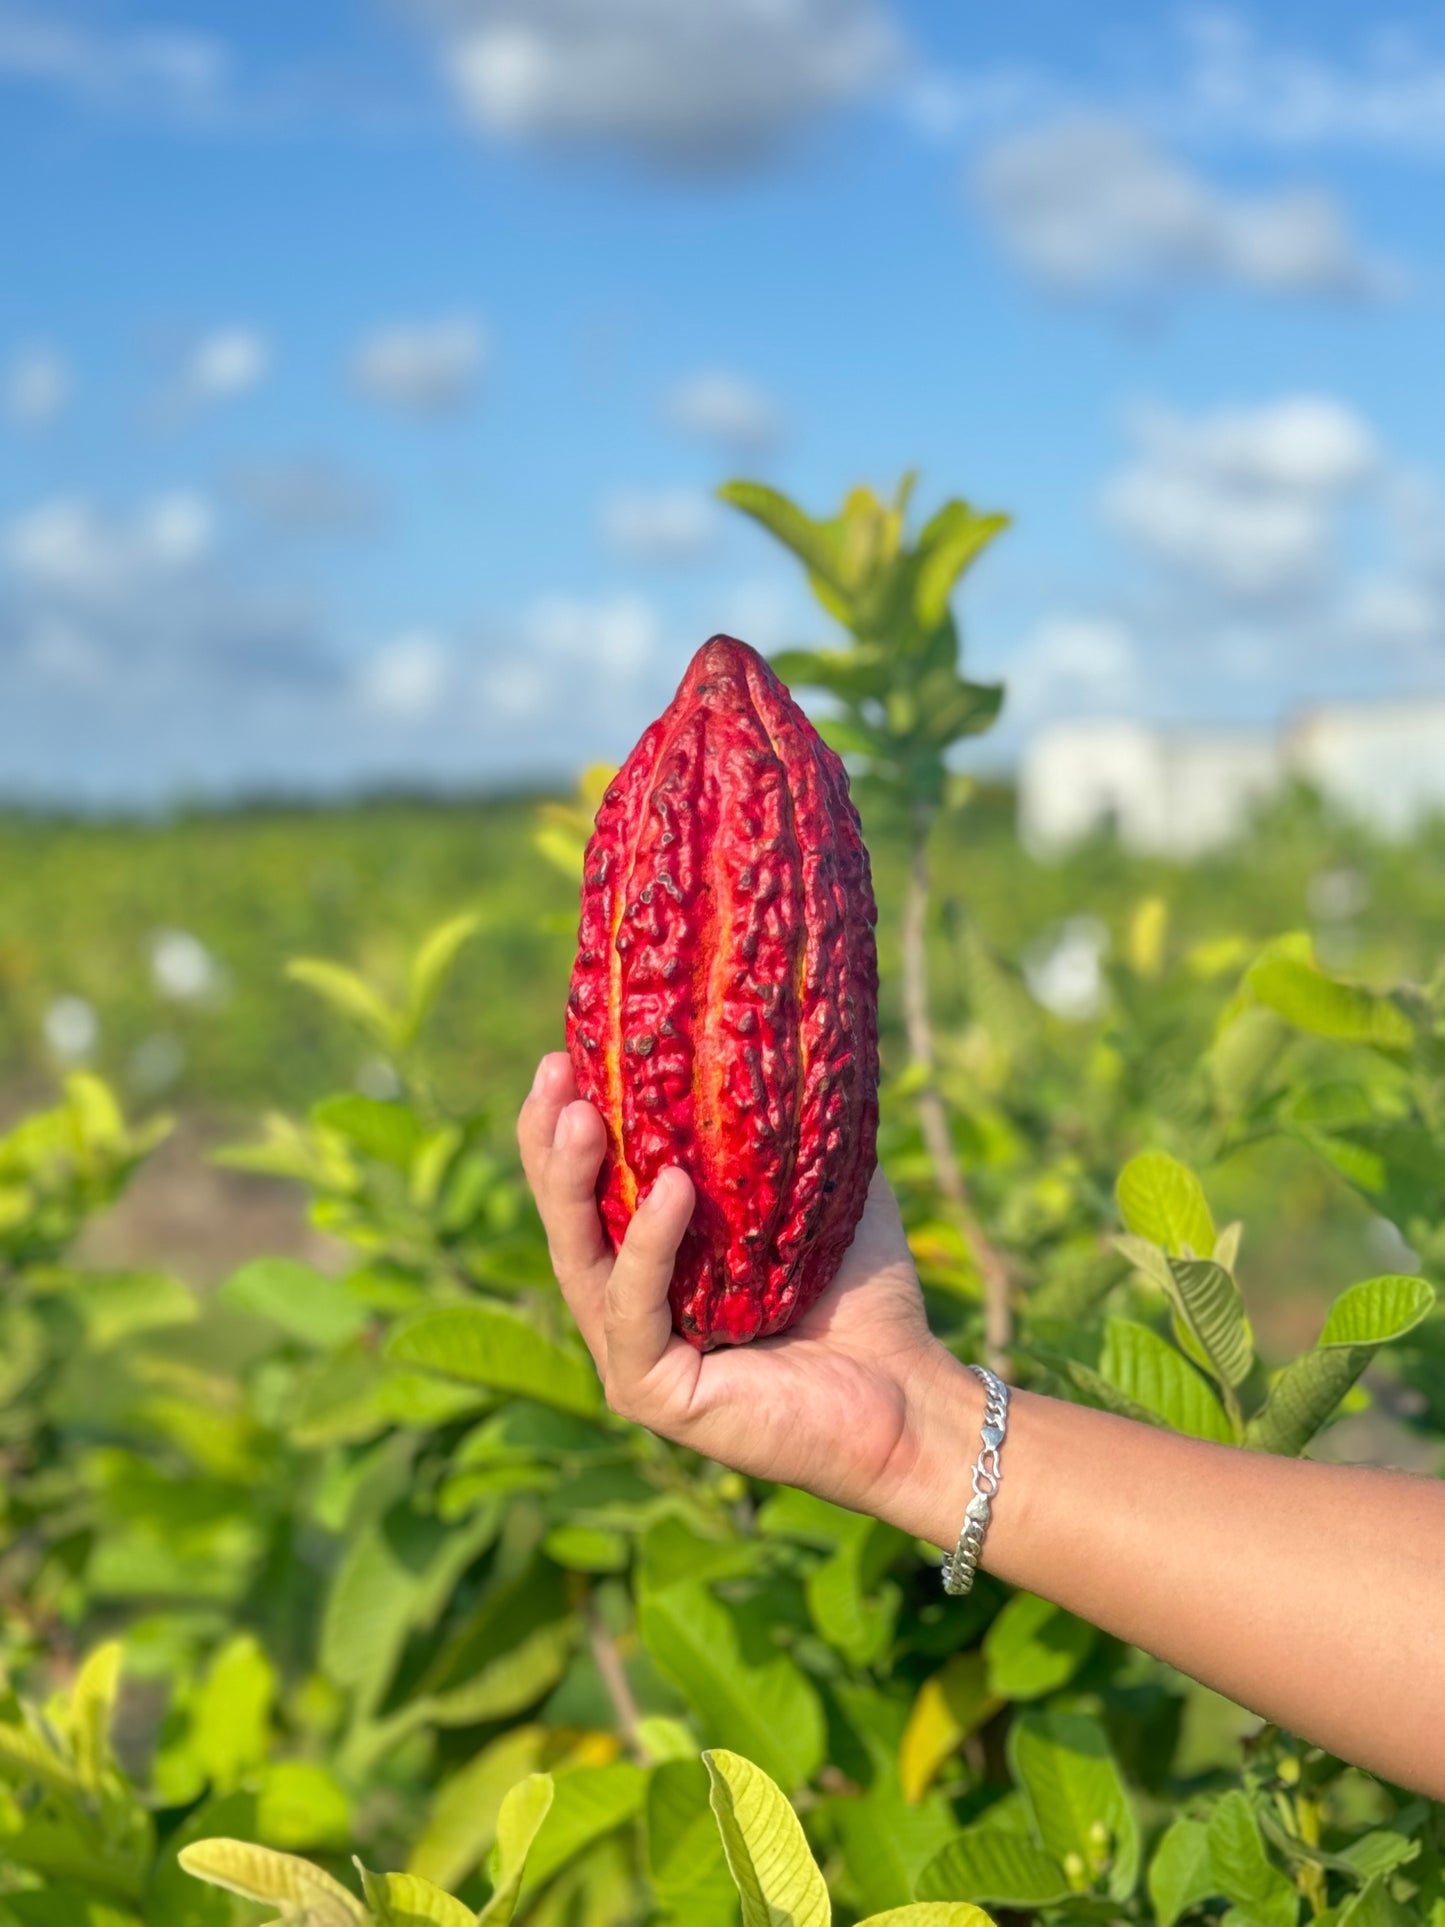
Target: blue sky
{"x": 366, "y": 367}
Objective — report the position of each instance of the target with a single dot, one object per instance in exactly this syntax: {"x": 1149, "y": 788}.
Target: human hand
{"x": 845, "y": 1404}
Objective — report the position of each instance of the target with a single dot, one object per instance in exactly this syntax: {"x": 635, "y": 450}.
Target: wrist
{"x": 927, "y": 1485}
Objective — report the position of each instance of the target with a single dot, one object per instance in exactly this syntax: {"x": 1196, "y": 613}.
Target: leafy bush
{"x": 388, "y": 1580}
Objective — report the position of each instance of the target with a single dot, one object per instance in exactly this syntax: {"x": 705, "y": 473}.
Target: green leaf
{"x": 888, "y": 1840}
{"x": 767, "y": 1707}
{"x": 462, "y": 1823}
{"x": 489, "y": 1345}
{"x": 406, "y": 1900}
{"x": 1378, "y": 1310}
{"x": 231, "y": 1717}
{"x": 386, "y": 1131}
{"x": 1211, "y": 1306}
{"x": 25, "y": 1758}
{"x": 931, "y": 1913}
{"x": 587, "y": 1549}
{"x": 518, "y": 1824}
{"x": 815, "y": 546}
{"x": 854, "y": 1617}
{"x": 92, "y": 1709}
{"x": 1380, "y": 1851}
{"x": 432, "y": 966}
{"x": 1096, "y": 1388}
{"x": 767, "y": 1850}
{"x": 304, "y": 1893}
{"x": 1075, "y": 1794}
{"x": 1376, "y": 1906}
{"x": 953, "y": 539}
{"x": 1242, "y": 1871}
{"x": 350, "y": 995}
{"x": 117, "y": 1305}
{"x": 1181, "y": 1873}
{"x": 1313, "y": 1002}
{"x": 375, "y": 1599}
{"x": 1034, "y": 1647}
{"x": 1161, "y": 1199}
{"x": 1305, "y": 1395}
{"x": 958, "y": 709}
{"x": 305, "y": 1303}
{"x": 1150, "y": 1371}
{"x": 301, "y": 1806}
{"x": 684, "y": 1849}
{"x": 1004, "y": 1868}
{"x": 587, "y": 1803}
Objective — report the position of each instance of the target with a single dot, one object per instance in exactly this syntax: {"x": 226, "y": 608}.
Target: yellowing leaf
{"x": 304, "y": 1893}
{"x": 767, "y": 1851}
{"x": 952, "y": 1704}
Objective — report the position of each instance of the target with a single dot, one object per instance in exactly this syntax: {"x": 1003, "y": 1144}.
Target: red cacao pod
{"x": 724, "y": 1005}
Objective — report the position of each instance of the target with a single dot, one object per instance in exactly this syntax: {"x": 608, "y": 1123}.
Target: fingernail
{"x": 567, "y": 1127}
{"x": 537, "y": 1080}
{"x": 658, "y": 1190}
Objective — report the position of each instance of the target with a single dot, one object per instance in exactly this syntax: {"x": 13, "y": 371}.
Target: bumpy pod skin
{"x": 724, "y": 1006}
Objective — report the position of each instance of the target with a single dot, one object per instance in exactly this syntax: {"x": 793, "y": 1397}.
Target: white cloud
{"x": 70, "y": 549}
{"x": 35, "y": 386}
{"x": 659, "y": 525}
{"x": 1307, "y": 442}
{"x": 225, "y": 363}
{"x": 409, "y": 679}
{"x": 1389, "y": 93}
{"x": 1091, "y": 205}
{"x": 425, "y": 368}
{"x": 1289, "y": 559}
{"x": 1074, "y": 664}
{"x": 1245, "y": 502}
{"x": 158, "y": 69}
{"x": 719, "y": 405}
{"x": 696, "y": 85}
{"x": 617, "y": 635}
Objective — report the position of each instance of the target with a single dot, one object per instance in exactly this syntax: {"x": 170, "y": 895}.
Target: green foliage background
{"x": 346, "y": 1557}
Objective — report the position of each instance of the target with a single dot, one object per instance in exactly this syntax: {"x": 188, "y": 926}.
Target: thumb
{"x": 638, "y": 1316}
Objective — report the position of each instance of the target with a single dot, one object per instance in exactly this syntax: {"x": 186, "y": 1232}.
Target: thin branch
{"x": 933, "y": 1115}
{"x": 619, "y": 1687}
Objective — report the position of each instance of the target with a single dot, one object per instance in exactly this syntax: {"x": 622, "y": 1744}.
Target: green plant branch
{"x": 933, "y": 1114}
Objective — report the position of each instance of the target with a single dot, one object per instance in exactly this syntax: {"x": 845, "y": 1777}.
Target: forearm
{"x": 1312, "y": 1594}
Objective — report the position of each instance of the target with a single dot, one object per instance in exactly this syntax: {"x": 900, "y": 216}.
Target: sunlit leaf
{"x": 1075, "y": 1793}
{"x": 406, "y": 1900}
{"x": 1161, "y": 1199}
{"x": 490, "y": 1345}
{"x": 304, "y": 1893}
{"x": 1311, "y": 1001}
{"x": 1180, "y": 1874}
{"x": 350, "y": 995}
{"x": 1151, "y": 1372}
{"x": 767, "y": 1850}
{"x": 1241, "y": 1869}
{"x": 518, "y": 1824}
{"x": 768, "y": 1709}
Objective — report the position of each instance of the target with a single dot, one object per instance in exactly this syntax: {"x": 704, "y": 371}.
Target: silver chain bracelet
{"x": 961, "y": 1568}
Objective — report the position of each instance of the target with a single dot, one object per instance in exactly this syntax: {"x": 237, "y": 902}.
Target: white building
{"x": 1178, "y": 792}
